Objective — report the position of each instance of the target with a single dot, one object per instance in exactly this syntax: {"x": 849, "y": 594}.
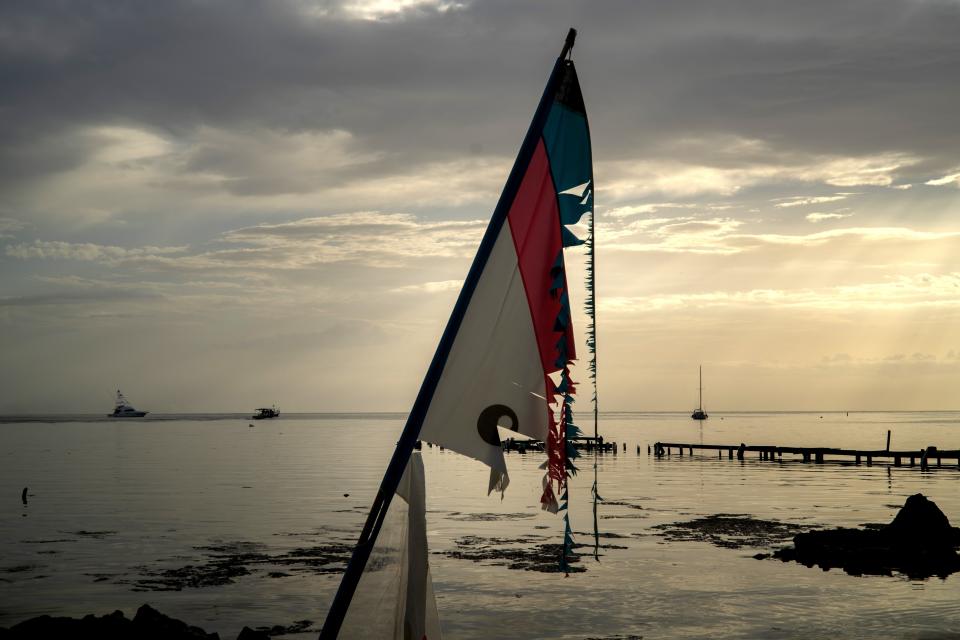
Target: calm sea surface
{"x": 111, "y": 504}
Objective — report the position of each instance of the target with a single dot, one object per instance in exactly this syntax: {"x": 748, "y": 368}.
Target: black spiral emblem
{"x": 487, "y": 422}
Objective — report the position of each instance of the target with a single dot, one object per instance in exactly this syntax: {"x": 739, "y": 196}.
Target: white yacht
{"x": 123, "y": 409}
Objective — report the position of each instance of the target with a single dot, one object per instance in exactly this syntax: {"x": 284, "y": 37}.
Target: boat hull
{"x": 132, "y": 414}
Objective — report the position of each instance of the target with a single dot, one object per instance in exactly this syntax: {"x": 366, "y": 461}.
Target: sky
{"x": 218, "y": 205}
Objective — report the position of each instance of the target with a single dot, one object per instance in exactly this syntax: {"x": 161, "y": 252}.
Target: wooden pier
{"x": 925, "y": 458}
{"x": 587, "y": 443}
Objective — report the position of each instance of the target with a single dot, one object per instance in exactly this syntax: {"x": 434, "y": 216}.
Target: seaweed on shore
{"x": 533, "y": 556}
{"x": 731, "y": 531}
{"x": 488, "y": 517}
{"x": 299, "y": 626}
{"x": 227, "y": 561}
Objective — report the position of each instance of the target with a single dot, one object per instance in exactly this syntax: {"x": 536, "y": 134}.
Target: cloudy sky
{"x": 216, "y": 205}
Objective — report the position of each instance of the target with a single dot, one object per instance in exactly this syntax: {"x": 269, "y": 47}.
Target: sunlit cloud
{"x": 55, "y": 250}
{"x": 430, "y": 287}
{"x": 10, "y": 225}
{"x": 723, "y": 236}
{"x": 638, "y": 179}
{"x": 387, "y": 9}
{"x": 377, "y": 239}
{"x": 873, "y": 234}
{"x": 820, "y": 217}
{"x": 798, "y": 201}
{"x": 896, "y": 293}
{"x": 117, "y": 145}
{"x": 953, "y": 178}
{"x": 642, "y": 209}
{"x": 215, "y": 170}
{"x": 916, "y": 358}
{"x": 686, "y": 235}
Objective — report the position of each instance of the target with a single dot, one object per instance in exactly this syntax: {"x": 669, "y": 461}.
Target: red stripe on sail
{"x": 534, "y": 222}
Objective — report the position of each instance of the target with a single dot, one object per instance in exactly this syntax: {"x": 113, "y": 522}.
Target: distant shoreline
{"x": 398, "y": 415}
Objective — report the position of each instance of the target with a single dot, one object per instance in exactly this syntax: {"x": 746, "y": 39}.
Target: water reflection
{"x": 158, "y": 490}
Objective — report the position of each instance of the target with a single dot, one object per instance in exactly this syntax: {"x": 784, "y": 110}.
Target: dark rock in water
{"x": 252, "y": 634}
{"x": 919, "y": 543}
{"x": 921, "y": 520}
{"x": 148, "y": 624}
{"x": 156, "y": 625}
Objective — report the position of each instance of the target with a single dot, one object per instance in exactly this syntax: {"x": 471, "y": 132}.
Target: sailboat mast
{"x": 700, "y": 403}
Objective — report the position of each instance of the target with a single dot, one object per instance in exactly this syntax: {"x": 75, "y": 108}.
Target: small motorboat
{"x": 266, "y": 412}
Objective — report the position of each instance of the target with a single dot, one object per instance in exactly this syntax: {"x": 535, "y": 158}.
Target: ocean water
{"x": 112, "y": 505}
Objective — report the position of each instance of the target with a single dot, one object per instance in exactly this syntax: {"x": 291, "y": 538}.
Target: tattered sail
{"x": 510, "y": 358}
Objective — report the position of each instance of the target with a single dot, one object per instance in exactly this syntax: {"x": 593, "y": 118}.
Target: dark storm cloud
{"x": 839, "y": 78}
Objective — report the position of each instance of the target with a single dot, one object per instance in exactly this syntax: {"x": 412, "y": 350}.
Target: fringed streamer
{"x": 560, "y": 451}
{"x": 561, "y": 427}
{"x": 590, "y": 307}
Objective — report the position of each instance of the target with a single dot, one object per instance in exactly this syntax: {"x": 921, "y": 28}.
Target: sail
{"x": 394, "y": 598}
{"x": 505, "y": 355}
{"x": 509, "y": 360}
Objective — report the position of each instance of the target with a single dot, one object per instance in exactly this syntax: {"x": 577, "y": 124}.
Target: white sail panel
{"x": 394, "y": 598}
{"x": 493, "y": 371}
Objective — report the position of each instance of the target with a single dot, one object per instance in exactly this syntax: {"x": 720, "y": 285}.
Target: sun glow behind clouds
{"x": 386, "y": 9}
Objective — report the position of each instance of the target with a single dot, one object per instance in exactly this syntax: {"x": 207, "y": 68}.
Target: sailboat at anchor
{"x": 699, "y": 413}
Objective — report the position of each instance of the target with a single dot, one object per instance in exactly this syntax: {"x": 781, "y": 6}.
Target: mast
{"x": 700, "y": 404}
{"x": 411, "y": 431}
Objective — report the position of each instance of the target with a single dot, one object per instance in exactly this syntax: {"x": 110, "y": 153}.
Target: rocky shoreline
{"x": 147, "y": 624}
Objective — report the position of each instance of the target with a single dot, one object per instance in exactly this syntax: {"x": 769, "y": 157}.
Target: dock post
{"x": 720, "y": 454}
{"x": 819, "y": 457}
{"x": 913, "y": 461}
{"x": 730, "y": 453}
{"x": 858, "y": 459}
{"x": 680, "y": 449}
{"x": 888, "y": 439}
{"x": 740, "y": 451}
{"x": 869, "y": 460}
{"x": 896, "y": 461}
{"x": 806, "y": 456}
